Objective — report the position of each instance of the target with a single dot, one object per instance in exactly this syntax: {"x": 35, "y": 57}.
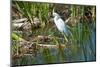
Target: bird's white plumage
{"x": 59, "y": 23}
{"x": 62, "y": 27}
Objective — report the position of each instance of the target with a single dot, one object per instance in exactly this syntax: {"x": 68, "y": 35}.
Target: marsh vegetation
{"x": 36, "y": 39}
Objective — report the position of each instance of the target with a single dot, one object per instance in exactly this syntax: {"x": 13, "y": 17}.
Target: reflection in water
{"x": 86, "y": 53}
{"x": 36, "y": 39}
{"x": 83, "y": 49}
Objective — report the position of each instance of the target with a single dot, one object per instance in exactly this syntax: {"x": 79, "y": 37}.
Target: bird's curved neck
{"x": 56, "y": 17}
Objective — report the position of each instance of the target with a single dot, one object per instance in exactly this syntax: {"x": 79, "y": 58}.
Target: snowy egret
{"x": 62, "y": 27}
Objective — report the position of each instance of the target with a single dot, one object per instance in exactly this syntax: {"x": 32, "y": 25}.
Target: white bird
{"x": 62, "y": 27}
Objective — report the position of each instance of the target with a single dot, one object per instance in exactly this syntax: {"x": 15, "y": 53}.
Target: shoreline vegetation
{"x": 36, "y": 40}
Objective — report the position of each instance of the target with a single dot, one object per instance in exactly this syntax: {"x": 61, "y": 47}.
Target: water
{"x": 76, "y": 52}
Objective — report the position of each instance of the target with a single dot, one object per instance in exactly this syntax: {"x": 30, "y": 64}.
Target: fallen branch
{"x": 19, "y": 20}
{"x": 51, "y": 46}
